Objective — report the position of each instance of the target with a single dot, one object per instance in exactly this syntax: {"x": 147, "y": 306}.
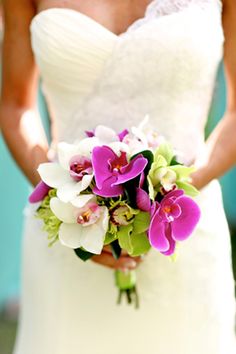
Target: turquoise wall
{"x": 14, "y": 191}
{"x": 228, "y": 181}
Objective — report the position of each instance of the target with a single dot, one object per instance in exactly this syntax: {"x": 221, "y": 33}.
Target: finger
{"x": 108, "y": 260}
{"x": 108, "y": 249}
{"x": 138, "y": 259}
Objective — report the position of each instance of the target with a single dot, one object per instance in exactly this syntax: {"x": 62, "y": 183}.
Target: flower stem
{"x": 126, "y": 284}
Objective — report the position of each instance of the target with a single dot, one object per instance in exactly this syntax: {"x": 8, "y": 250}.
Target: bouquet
{"x": 126, "y": 190}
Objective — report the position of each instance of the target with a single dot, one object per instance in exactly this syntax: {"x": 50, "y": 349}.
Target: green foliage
{"x": 133, "y": 237}
{"x": 51, "y": 222}
{"x": 110, "y": 237}
{"x": 141, "y": 222}
{"x": 124, "y": 237}
{"x": 83, "y": 255}
{"x": 140, "y": 244}
{"x": 183, "y": 172}
{"x": 116, "y": 250}
{"x": 188, "y": 188}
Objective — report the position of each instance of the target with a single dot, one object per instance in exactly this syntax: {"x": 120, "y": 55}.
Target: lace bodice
{"x": 163, "y": 66}
{"x": 166, "y": 7}
{"x": 159, "y": 8}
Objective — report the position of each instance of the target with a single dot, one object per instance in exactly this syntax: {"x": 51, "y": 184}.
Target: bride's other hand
{"x": 125, "y": 262}
{"x": 221, "y": 144}
{"x": 220, "y": 154}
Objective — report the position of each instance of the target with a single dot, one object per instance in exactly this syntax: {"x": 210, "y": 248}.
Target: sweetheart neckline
{"x": 104, "y": 28}
{"x": 80, "y": 14}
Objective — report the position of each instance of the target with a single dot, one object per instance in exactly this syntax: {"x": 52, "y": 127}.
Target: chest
{"x": 114, "y": 15}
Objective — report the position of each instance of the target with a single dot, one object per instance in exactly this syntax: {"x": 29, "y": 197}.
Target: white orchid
{"x": 105, "y": 135}
{"x": 143, "y": 137}
{"x": 108, "y": 137}
{"x": 82, "y": 227}
{"x": 73, "y": 172}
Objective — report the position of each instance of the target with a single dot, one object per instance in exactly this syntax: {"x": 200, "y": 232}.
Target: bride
{"x": 113, "y": 62}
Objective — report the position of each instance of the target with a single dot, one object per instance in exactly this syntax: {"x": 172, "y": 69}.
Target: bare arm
{"x": 19, "y": 121}
{"x": 221, "y": 145}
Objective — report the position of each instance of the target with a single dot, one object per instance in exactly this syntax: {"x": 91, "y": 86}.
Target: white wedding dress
{"x": 165, "y": 66}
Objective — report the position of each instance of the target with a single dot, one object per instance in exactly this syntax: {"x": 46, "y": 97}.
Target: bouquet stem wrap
{"x": 126, "y": 284}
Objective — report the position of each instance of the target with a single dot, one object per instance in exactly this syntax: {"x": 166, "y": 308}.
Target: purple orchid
{"x": 112, "y": 171}
{"x": 123, "y": 134}
{"x": 142, "y": 198}
{"x": 39, "y": 193}
{"x": 174, "y": 219}
{"x": 90, "y": 133}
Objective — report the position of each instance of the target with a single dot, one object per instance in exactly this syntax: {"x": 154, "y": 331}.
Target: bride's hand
{"x": 125, "y": 262}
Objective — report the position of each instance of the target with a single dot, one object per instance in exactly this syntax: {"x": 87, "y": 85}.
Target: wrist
{"x": 200, "y": 178}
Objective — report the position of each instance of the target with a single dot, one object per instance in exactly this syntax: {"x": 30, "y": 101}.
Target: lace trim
{"x": 166, "y": 7}
{"x": 159, "y": 8}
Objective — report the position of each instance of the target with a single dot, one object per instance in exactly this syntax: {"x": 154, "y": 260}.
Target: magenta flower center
{"x": 89, "y": 214}
{"x": 117, "y": 163}
{"x": 169, "y": 211}
{"x": 79, "y": 167}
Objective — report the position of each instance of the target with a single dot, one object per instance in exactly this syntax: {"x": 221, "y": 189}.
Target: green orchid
{"x": 121, "y": 214}
{"x": 166, "y": 173}
{"x": 133, "y": 237}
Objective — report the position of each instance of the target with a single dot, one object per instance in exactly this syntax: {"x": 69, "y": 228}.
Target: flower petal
{"x": 109, "y": 189}
{"x": 104, "y": 220}
{"x": 81, "y": 200}
{"x": 39, "y": 193}
{"x": 65, "y": 212}
{"x": 53, "y": 174}
{"x": 157, "y": 235}
{"x": 70, "y": 235}
{"x": 175, "y": 210}
{"x": 122, "y": 134}
{"x": 105, "y": 135}
{"x": 154, "y": 207}
{"x": 69, "y": 191}
{"x": 119, "y": 147}
{"x": 86, "y": 180}
{"x": 86, "y": 146}
{"x": 142, "y": 199}
{"x": 101, "y": 155}
{"x": 172, "y": 242}
{"x": 132, "y": 170}
{"x": 174, "y": 194}
{"x": 184, "y": 225}
{"x": 66, "y": 152}
{"x": 93, "y": 236}
{"x": 89, "y": 133}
